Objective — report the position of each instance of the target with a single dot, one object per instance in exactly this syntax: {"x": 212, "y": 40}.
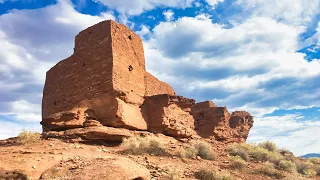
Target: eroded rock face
{"x": 213, "y": 121}
{"x": 169, "y": 115}
{"x": 91, "y": 133}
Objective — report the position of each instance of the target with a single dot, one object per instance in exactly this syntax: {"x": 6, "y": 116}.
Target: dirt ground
{"x": 57, "y": 159}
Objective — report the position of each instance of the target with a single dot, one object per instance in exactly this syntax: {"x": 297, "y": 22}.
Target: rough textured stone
{"x": 240, "y": 123}
{"x": 166, "y": 115}
{"x": 106, "y": 74}
{"x": 91, "y": 133}
{"x": 212, "y": 121}
{"x": 155, "y": 87}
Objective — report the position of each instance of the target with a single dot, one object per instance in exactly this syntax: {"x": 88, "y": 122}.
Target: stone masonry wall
{"x": 84, "y": 75}
{"x": 154, "y": 86}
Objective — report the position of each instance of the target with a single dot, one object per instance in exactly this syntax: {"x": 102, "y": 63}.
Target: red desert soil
{"x": 56, "y": 159}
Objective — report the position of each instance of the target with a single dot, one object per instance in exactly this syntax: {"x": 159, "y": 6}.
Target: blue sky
{"x": 262, "y": 56}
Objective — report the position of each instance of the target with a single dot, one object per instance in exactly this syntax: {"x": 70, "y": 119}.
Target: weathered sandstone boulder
{"x": 169, "y": 115}
{"x": 240, "y": 123}
{"x": 91, "y": 133}
{"x": 212, "y": 121}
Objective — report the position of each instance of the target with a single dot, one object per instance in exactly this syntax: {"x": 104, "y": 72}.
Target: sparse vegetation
{"x": 28, "y": 137}
{"x": 142, "y": 145}
{"x": 287, "y": 166}
{"x": 204, "y": 174}
{"x": 199, "y": 148}
{"x": 305, "y": 168}
{"x": 270, "y": 171}
{"x": 314, "y": 161}
{"x": 175, "y": 175}
{"x": 239, "y": 150}
{"x": 317, "y": 169}
{"x": 238, "y": 163}
{"x": 260, "y": 154}
{"x": 268, "y": 145}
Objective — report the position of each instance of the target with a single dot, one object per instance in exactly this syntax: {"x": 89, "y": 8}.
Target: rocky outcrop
{"x": 104, "y": 92}
{"x": 216, "y": 122}
{"x": 169, "y": 115}
{"x": 91, "y": 133}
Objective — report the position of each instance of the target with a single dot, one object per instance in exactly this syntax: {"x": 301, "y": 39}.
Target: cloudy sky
{"x": 262, "y": 56}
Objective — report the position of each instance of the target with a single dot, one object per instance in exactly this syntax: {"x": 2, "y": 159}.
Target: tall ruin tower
{"x": 105, "y": 80}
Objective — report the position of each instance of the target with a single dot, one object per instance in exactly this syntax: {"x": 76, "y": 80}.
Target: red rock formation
{"x": 165, "y": 114}
{"x": 105, "y": 83}
{"x": 212, "y": 121}
{"x": 106, "y": 75}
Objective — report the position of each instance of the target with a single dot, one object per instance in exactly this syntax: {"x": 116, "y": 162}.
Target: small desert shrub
{"x": 142, "y": 145}
{"x": 260, "y": 154}
{"x": 28, "y": 137}
{"x": 174, "y": 175}
{"x": 314, "y": 160}
{"x": 317, "y": 169}
{"x": 287, "y": 166}
{"x": 275, "y": 157}
{"x": 204, "y": 174}
{"x": 305, "y": 168}
{"x": 238, "y": 163}
{"x": 288, "y": 155}
{"x": 199, "y": 148}
{"x": 270, "y": 171}
{"x": 268, "y": 145}
{"x": 240, "y": 150}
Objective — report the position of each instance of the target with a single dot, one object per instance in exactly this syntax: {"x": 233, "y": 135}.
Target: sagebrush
{"x": 28, "y": 137}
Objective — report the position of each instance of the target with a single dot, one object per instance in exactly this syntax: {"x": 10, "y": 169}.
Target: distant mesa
{"x": 311, "y": 155}
{"x": 103, "y": 91}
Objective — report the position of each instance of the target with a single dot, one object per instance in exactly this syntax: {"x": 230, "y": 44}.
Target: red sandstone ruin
{"x": 104, "y": 85}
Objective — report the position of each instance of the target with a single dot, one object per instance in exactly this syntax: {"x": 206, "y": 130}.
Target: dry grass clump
{"x": 305, "y": 168}
{"x": 240, "y": 150}
{"x": 287, "y": 165}
{"x": 143, "y": 145}
{"x": 238, "y": 163}
{"x": 288, "y": 155}
{"x": 268, "y": 145}
{"x": 28, "y": 137}
{"x": 174, "y": 175}
{"x": 260, "y": 154}
{"x": 314, "y": 161}
{"x": 198, "y": 148}
{"x": 270, "y": 171}
{"x": 317, "y": 169}
{"x": 204, "y": 174}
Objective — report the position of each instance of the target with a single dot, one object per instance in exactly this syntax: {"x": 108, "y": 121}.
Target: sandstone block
{"x": 165, "y": 115}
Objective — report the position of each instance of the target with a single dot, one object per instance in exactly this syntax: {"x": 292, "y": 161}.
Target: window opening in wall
{"x": 130, "y": 37}
{"x": 55, "y": 103}
{"x": 90, "y": 32}
{"x": 83, "y": 64}
{"x": 130, "y": 68}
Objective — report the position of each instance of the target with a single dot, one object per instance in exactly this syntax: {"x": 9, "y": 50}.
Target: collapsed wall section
{"x": 155, "y": 86}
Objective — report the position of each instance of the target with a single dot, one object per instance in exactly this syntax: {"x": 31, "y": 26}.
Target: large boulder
{"x": 91, "y": 133}
{"x": 169, "y": 115}
{"x": 240, "y": 123}
{"x": 216, "y": 122}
